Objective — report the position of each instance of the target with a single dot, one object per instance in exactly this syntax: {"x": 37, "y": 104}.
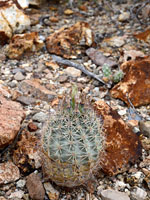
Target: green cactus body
{"x": 118, "y": 76}
{"x": 72, "y": 142}
{"x": 106, "y": 70}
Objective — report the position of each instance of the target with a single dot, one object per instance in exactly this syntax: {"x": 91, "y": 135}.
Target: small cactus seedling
{"x": 72, "y": 142}
{"x": 107, "y": 72}
{"x": 118, "y": 76}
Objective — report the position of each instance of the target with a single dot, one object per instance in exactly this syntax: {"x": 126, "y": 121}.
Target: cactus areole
{"x": 71, "y": 143}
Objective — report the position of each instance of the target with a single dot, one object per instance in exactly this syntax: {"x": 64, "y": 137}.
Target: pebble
{"x": 124, "y": 16}
{"x": 71, "y": 71}
{"x": 35, "y": 187}
{"x": 19, "y": 76}
{"x": 21, "y": 183}
{"x": 40, "y": 117}
{"x": 52, "y": 193}
{"x": 139, "y": 194}
{"x": 113, "y": 195}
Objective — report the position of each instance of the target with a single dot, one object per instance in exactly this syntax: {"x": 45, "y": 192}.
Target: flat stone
{"x": 11, "y": 115}
{"x": 35, "y": 187}
{"x": 26, "y": 100}
{"x": 122, "y": 146}
{"x": 71, "y": 71}
{"x": 34, "y": 89}
{"x": 8, "y": 173}
{"x": 67, "y": 42}
{"x": 136, "y": 82}
{"x": 98, "y": 58}
{"x": 113, "y": 195}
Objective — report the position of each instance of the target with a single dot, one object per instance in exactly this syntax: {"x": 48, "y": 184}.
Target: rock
{"x": 145, "y": 162}
{"x": 21, "y": 183}
{"x": 62, "y": 78}
{"x": 136, "y": 82}
{"x": 116, "y": 41}
{"x": 11, "y": 24}
{"x": 8, "y": 173}
{"x": 113, "y": 195}
{"x": 26, "y": 100}
{"x": 131, "y": 55}
{"x": 40, "y": 117}
{"x": 36, "y": 90}
{"x": 4, "y": 91}
{"x": 67, "y": 42}
{"x": 11, "y": 116}
{"x": 35, "y": 187}
{"x": 19, "y": 76}
{"x": 32, "y": 126}
{"x": 145, "y": 128}
{"x": 123, "y": 147}
{"x": 124, "y": 16}
{"x": 2, "y": 198}
{"x": 71, "y": 71}
{"x": 26, "y": 154}
{"x": 146, "y": 144}
{"x": 17, "y": 195}
{"x": 24, "y": 43}
{"x": 139, "y": 194}
{"x": 98, "y": 58}
{"x": 52, "y": 193}
{"x": 68, "y": 12}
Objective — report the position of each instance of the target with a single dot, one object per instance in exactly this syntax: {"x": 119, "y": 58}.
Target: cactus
{"x": 115, "y": 77}
{"x": 106, "y": 70}
{"x": 118, "y": 76}
{"x": 72, "y": 142}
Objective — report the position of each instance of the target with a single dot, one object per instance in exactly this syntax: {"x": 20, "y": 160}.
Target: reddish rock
{"x": 122, "y": 145}
{"x": 32, "y": 126}
{"x": 8, "y": 173}
{"x": 26, "y": 154}
{"x": 136, "y": 82}
{"x": 24, "y": 43}
{"x": 35, "y": 187}
{"x": 11, "y": 116}
{"x": 68, "y": 42}
{"x": 36, "y": 90}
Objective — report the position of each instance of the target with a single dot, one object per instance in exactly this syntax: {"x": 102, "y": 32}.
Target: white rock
{"x": 122, "y": 112}
{"x": 71, "y": 71}
{"x": 139, "y": 194}
{"x": 21, "y": 183}
{"x": 113, "y": 195}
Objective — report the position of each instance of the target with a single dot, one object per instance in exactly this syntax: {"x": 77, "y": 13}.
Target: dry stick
{"x": 80, "y": 67}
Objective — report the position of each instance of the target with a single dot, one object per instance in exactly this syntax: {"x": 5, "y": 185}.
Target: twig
{"x": 80, "y": 67}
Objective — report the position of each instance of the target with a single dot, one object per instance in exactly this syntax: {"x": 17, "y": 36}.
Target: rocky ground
{"x": 32, "y": 83}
